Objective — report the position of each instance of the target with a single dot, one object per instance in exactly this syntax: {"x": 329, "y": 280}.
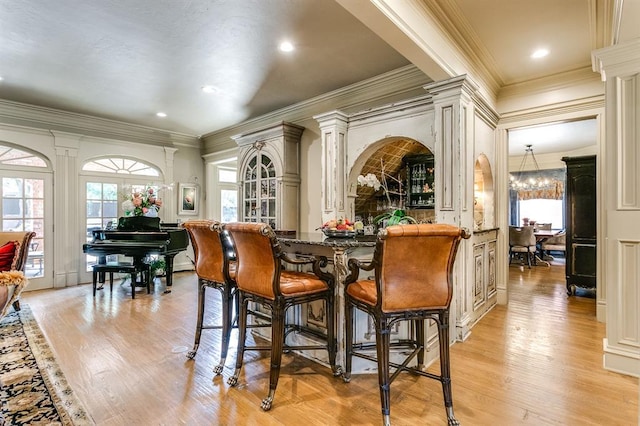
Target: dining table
{"x": 541, "y": 236}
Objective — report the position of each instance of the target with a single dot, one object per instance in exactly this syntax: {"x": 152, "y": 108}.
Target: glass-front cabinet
{"x": 269, "y": 170}
{"x": 260, "y": 190}
{"x": 420, "y": 181}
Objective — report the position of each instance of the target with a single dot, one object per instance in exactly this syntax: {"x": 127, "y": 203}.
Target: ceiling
{"x": 127, "y": 60}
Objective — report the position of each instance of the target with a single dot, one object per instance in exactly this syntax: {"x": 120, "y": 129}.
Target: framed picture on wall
{"x": 188, "y": 201}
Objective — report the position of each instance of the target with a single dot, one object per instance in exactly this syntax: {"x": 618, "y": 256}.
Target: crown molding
{"x": 33, "y": 116}
{"x": 553, "y": 82}
{"x": 576, "y": 107}
{"x": 455, "y": 26}
{"x": 372, "y": 90}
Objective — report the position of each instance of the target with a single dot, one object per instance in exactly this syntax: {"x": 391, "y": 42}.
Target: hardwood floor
{"x": 536, "y": 362}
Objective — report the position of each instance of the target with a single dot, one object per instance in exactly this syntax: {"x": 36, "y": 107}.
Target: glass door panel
{"x": 23, "y": 210}
{"x": 101, "y": 212}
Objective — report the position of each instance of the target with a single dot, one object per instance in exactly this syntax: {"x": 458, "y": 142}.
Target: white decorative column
{"x": 333, "y": 127}
{"x": 619, "y": 204}
{"x": 169, "y": 206}
{"x": 67, "y": 210}
{"x": 454, "y": 149}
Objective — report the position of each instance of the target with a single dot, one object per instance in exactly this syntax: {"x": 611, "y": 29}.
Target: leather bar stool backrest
{"x": 415, "y": 266}
{"x": 207, "y": 249}
{"x": 258, "y": 267}
{"x": 214, "y": 269}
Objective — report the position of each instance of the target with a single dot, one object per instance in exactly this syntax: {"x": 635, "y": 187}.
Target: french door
{"x": 27, "y": 206}
{"x": 102, "y": 202}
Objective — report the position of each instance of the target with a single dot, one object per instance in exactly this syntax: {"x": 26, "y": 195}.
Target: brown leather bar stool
{"x": 413, "y": 267}
{"x": 214, "y": 270}
{"x": 261, "y": 278}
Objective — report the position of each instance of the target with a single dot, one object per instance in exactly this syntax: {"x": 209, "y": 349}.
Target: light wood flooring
{"x": 537, "y": 361}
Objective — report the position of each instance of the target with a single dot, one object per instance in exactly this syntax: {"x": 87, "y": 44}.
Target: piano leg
{"x": 168, "y": 259}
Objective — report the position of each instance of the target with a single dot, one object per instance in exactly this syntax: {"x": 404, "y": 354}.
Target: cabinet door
{"x": 259, "y": 192}
{"x": 420, "y": 181}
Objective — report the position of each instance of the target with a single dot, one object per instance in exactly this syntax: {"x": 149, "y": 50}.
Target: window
{"x": 104, "y": 195}
{"x": 16, "y": 157}
{"x": 227, "y": 175}
{"x": 542, "y": 211}
{"x": 229, "y": 205}
{"x": 119, "y": 165}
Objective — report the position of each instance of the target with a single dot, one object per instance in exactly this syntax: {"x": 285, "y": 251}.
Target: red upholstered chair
{"x": 413, "y": 267}
{"x": 261, "y": 278}
{"x": 214, "y": 270}
{"x": 15, "y": 258}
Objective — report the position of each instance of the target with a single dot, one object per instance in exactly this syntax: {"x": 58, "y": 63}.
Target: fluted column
{"x": 66, "y": 210}
{"x": 333, "y": 127}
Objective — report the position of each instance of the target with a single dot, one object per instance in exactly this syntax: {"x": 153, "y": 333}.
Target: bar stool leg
{"x": 201, "y": 299}
{"x": 348, "y": 347}
{"x": 227, "y": 307}
{"x": 277, "y": 342}
{"x": 383, "y": 342}
{"x": 419, "y": 339}
{"x": 445, "y": 368}
{"x": 242, "y": 335}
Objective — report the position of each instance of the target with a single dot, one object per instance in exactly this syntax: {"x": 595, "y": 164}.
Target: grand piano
{"x": 138, "y": 237}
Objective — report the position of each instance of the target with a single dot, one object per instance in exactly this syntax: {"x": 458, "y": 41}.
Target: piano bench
{"x": 133, "y": 269}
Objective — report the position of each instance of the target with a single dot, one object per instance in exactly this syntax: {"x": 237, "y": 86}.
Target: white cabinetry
{"x": 269, "y": 171}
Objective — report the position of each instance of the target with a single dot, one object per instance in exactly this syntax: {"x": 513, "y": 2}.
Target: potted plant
{"x": 158, "y": 267}
{"x": 395, "y": 217}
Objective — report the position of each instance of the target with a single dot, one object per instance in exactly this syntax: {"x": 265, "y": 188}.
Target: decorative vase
{"x": 152, "y": 212}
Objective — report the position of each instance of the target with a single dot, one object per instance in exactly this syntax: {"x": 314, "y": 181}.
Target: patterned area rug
{"x": 34, "y": 392}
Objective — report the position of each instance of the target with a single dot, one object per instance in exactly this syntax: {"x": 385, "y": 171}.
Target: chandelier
{"x": 528, "y": 179}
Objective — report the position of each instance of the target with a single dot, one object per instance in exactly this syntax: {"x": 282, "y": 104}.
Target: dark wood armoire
{"x": 581, "y": 222}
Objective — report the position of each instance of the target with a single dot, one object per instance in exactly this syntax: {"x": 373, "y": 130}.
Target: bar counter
{"x": 338, "y": 251}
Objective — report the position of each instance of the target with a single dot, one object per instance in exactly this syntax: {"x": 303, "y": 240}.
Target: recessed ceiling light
{"x": 209, "y": 89}
{"x": 540, "y": 53}
{"x": 286, "y": 46}
{"x": 161, "y": 114}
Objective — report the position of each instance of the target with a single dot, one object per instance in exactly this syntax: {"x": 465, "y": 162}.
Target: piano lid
{"x": 138, "y": 223}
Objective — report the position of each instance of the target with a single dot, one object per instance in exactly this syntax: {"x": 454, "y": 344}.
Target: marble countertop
{"x": 319, "y": 239}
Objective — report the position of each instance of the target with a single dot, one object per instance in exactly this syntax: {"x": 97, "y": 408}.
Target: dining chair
{"x": 413, "y": 281}
{"x": 522, "y": 240}
{"x": 261, "y": 277}
{"x": 214, "y": 269}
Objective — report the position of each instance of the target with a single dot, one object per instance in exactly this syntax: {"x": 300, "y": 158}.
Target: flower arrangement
{"x": 144, "y": 203}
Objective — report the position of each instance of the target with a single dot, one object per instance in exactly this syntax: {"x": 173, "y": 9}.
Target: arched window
{"x": 120, "y": 165}
{"x": 15, "y": 157}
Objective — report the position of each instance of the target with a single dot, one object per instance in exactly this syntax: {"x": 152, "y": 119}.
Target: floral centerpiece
{"x": 144, "y": 203}
{"x": 396, "y": 215}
